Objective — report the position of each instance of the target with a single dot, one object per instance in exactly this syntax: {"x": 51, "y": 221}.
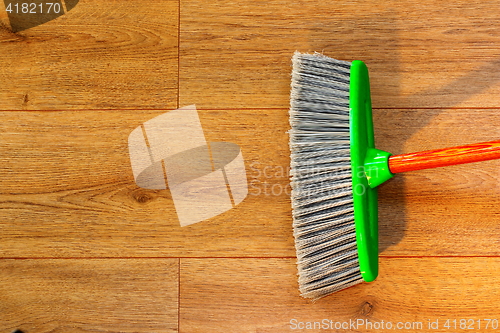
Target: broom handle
{"x": 443, "y": 157}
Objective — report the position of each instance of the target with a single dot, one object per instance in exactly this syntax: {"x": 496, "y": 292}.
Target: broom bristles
{"x": 323, "y": 220}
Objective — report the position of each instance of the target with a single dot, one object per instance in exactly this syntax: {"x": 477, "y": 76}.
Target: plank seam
{"x": 245, "y": 109}
{"x": 179, "y": 55}
{"x": 200, "y": 257}
{"x": 179, "y": 296}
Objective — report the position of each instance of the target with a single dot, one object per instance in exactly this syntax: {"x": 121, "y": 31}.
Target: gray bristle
{"x": 323, "y": 221}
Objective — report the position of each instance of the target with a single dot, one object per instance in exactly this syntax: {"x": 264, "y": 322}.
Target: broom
{"x": 335, "y": 170}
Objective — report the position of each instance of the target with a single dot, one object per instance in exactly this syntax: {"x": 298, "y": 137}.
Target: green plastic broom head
{"x": 369, "y": 169}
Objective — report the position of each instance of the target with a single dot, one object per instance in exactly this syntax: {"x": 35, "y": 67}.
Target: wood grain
{"x": 420, "y": 53}
{"x": 89, "y": 295}
{"x": 100, "y": 55}
{"x": 66, "y": 188}
{"x": 260, "y": 295}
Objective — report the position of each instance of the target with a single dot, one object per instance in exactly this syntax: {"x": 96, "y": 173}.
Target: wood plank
{"x": 100, "y": 55}
{"x": 260, "y": 295}
{"x": 67, "y": 188}
{"x": 89, "y": 295}
{"x": 237, "y": 54}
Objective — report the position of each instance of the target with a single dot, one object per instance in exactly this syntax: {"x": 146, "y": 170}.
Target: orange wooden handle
{"x": 443, "y": 157}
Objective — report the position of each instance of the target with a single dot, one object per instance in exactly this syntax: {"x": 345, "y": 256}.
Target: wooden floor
{"x": 83, "y": 249}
